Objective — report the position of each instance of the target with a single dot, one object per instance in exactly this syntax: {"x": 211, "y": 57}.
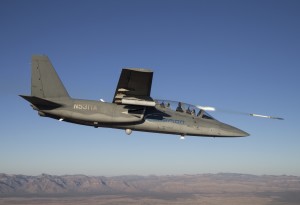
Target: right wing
{"x": 134, "y": 87}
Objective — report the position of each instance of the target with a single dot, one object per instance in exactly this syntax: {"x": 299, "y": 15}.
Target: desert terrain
{"x": 206, "y": 189}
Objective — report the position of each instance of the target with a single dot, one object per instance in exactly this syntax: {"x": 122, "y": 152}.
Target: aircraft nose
{"x": 240, "y": 133}
{"x": 233, "y": 131}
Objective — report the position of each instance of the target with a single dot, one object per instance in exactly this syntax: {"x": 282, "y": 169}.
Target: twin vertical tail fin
{"x": 45, "y": 82}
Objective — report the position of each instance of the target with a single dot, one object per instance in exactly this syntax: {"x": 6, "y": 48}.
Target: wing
{"x": 134, "y": 87}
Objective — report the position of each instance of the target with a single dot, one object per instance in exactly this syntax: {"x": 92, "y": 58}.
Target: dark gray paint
{"x": 50, "y": 98}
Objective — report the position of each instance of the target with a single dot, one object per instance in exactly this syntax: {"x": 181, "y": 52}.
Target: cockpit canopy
{"x": 183, "y": 108}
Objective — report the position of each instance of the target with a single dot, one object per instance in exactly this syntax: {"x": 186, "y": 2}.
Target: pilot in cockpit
{"x": 188, "y": 111}
{"x": 179, "y": 108}
{"x": 193, "y": 112}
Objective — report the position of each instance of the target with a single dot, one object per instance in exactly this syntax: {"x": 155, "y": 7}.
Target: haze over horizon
{"x": 236, "y": 55}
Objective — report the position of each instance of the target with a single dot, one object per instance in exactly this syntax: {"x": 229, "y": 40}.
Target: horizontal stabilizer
{"x": 40, "y": 102}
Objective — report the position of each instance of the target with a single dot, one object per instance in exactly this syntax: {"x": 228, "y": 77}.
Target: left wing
{"x": 134, "y": 87}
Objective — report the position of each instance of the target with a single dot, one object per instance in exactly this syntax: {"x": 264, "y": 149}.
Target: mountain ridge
{"x": 46, "y": 184}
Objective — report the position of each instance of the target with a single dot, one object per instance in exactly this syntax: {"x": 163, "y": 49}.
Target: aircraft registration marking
{"x": 85, "y": 107}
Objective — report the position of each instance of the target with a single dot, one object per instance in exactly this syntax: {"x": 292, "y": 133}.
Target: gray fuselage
{"x": 149, "y": 119}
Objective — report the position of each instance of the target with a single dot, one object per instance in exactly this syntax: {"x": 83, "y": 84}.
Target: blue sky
{"x": 239, "y": 55}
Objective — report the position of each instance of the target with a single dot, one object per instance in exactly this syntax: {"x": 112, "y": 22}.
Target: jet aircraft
{"x": 132, "y": 107}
